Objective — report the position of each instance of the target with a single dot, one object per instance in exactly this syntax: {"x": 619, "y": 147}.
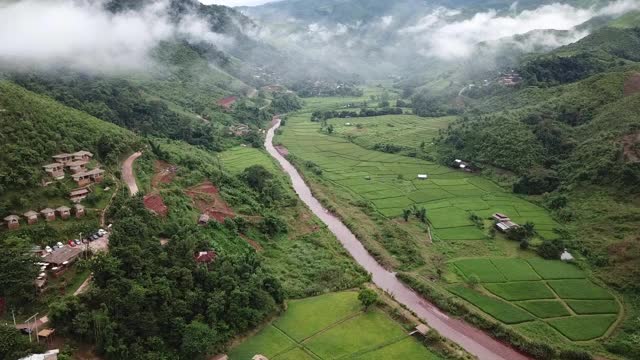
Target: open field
{"x": 239, "y": 158}
{"x": 568, "y": 303}
{"x": 389, "y": 182}
{"x": 332, "y": 326}
{"x": 404, "y": 130}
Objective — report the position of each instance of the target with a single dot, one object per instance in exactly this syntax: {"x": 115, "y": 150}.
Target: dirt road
{"x": 127, "y": 173}
{"x": 470, "y": 338}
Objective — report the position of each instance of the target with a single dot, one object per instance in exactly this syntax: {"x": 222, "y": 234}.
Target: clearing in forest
{"x": 332, "y": 326}
{"x": 207, "y": 199}
{"x": 555, "y": 294}
{"x": 163, "y": 173}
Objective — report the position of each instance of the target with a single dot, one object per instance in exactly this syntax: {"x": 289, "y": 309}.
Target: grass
{"x": 269, "y": 342}
{"x": 318, "y": 313}
{"x": 332, "y": 326}
{"x": 515, "y": 269}
{"x": 389, "y": 181}
{"x": 295, "y": 354}
{"x": 239, "y": 158}
{"x": 580, "y": 328}
{"x": 501, "y": 310}
{"x": 408, "y": 348}
{"x": 589, "y": 307}
{"x": 579, "y": 289}
{"x": 550, "y": 269}
{"x": 366, "y": 331}
{"x": 482, "y": 268}
{"x": 522, "y": 290}
{"x": 545, "y": 308}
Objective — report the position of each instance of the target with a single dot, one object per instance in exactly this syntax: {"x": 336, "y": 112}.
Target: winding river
{"x": 470, "y": 338}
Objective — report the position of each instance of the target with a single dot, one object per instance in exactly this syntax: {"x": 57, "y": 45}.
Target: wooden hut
{"x": 55, "y": 170}
{"x": 32, "y": 217}
{"x": 62, "y": 158}
{"x": 12, "y": 221}
{"x": 82, "y": 155}
{"x": 64, "y": 212}
{"x": 48, "y": 214}
{"x": 79, "y": 210}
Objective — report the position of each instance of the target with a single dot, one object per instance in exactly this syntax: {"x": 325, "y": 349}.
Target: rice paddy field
{"x": 239, "y": 158}
{"x": 332, "y": 326}
{"x": 405, "y": 130}
{"x": 389, "y": 182}
{"x": 556, "y": 295}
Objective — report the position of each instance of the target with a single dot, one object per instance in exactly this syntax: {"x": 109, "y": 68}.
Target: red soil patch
{"x": 207, "y": 199}
{"x": 632, "y": 85}
{"x": 227, "y": 102}
{"x": 155, "y": 203}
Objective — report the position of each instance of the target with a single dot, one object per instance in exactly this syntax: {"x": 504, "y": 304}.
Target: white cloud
{"x": 81, "y": 34}
{"x": 237, "y": 2}
{"x": 438, "y": 35}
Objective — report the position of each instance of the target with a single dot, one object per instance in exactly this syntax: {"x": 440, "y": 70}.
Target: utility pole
{"x": 13, "y": 314}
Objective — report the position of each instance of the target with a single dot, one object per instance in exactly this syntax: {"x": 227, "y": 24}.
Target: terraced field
{"x": 239, "y": 158}
{"x": 390, "y": 183}
{"x": 332, "y": 326}
{"x": 554, "y": 294}
{"x": 405, "y": 130}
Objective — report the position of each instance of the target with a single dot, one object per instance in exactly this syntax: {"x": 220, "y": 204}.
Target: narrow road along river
{"x": 471, "y": 339}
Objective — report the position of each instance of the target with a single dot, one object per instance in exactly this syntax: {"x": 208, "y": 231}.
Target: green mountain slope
{"x": 35, "y": 127}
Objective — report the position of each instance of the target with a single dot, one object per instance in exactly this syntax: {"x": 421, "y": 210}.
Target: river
{"x": 470, "y": 338}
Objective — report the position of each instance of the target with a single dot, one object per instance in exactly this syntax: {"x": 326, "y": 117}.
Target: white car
{"x": 48, "y": 249}
{"x": 102, "y": 232}
{"x": 60, "y": 245}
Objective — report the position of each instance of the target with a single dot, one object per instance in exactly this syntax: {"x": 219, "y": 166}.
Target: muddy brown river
{"x": 470, "y": 338}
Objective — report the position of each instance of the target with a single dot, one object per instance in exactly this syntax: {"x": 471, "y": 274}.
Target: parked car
{"x": 26, "y": 330}
{"x": 77, "y": 241}
{"x": 71, "y": 243}
{"x": 60, "y": 245}
{"x": 102, "y": 232}
{"x": 48, "y": 249}
{"x": 95, "y": 237}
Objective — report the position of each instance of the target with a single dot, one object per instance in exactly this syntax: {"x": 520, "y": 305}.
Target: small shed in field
{"x": 79, "y": 209}
{"x": 64, "y": 212}
{"x": 48, "y": 214}
{"x": 32, "y": 217}
{"x": 566, "y": 256}
{"x": 13, "y": 221}
{"x": 423, "y": 176}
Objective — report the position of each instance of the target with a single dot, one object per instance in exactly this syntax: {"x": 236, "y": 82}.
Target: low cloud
{"x": 440, "y": 34}
{"x": 81, "y": 34}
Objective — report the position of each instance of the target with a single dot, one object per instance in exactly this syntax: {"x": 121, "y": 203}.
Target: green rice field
{"x": 404, "y": 130}
{"x": 239, "y": 158}
{"x": 558, "y": 294}
{"x": 389, "y": 181}
{"x": 332, "y": 326}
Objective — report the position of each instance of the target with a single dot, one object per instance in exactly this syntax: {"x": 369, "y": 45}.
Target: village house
{"x": 63, "y": 158}
{"x": 64, "y": 212}
{"x": 503, "y": 222}
{"x": 77, "y": 166}
{"x": 78, "y": 195}
{"x": 82, "y": 155}
{"x": 86, "y": 178}
{"x": 32, "y": 217}
{"x": 12, "y": 221}
{"x": 205, "y": 257}
{"x": 421, "y": 329}
{"x": 48, "y": 214}
{"x": 79, "y": 210}
{"x": 62, "y": 257}
{"x": 55, "y": 170}
{"x": 239, "y": 130}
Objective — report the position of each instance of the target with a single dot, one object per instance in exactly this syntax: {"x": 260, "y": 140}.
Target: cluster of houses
{"x": 76, "y": 163}
{"x": 239, "y": 130}
{"x": 503, "y": 222}
{"x": 510, "y": 78}
{"x": 48, "y": 214}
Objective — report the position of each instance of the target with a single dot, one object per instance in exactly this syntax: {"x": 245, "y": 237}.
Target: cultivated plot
{"x": 535, "y": 290}
{"x": 332, "y": 326}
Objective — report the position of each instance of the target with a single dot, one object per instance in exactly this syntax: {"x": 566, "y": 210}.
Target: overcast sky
{"x": 236, "y": 2}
